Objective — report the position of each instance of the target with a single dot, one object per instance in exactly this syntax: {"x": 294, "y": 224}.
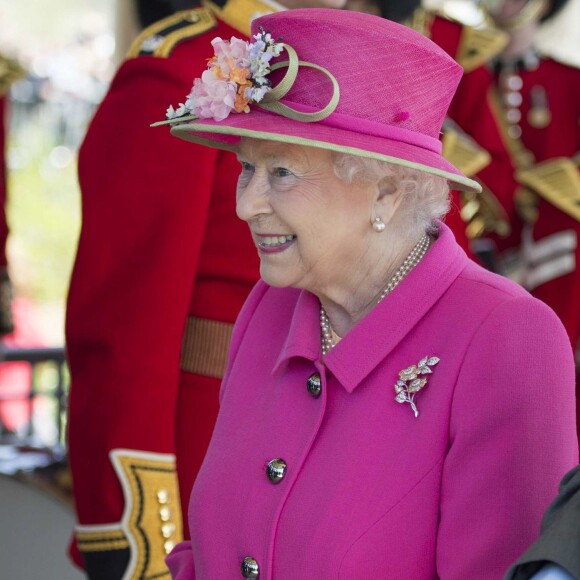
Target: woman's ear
{"x": 387, "y": 200}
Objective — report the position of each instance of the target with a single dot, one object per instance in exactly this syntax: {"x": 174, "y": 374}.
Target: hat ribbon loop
{"x": 271, "y": 101}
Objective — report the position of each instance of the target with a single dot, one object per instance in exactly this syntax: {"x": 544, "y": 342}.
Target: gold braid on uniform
{"x": 477, "y": 46}
{"x": 160, "y": 38}
{"x": 239, "y": 13}
{"x": 555, "y": 180}
{"x": 481, "y": 212}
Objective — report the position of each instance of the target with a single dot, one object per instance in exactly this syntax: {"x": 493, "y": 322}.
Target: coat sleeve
{"x": 512, "y": 420}
{"x": 145, "y": 198}
{"x": 180, "y": 562}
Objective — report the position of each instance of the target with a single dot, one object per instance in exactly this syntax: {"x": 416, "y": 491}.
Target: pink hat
{"x": 344, "y": 81}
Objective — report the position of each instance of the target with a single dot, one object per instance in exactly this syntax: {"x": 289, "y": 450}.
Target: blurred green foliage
{"x": 44, "y": 218}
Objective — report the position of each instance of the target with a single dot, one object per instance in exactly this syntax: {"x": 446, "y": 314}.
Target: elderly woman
{"x": 390, "y": 409}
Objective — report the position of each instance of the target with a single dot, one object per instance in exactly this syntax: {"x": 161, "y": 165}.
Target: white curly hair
{"x": 425, "y": 196}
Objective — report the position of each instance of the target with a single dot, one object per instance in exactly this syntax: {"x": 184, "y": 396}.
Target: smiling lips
{"x": 269, "y": 244}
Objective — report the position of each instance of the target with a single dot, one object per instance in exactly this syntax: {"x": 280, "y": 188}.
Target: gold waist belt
{"x": 205, "y": 347}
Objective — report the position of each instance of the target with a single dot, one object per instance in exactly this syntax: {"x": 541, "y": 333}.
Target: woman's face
{"x": 311, "y": 228}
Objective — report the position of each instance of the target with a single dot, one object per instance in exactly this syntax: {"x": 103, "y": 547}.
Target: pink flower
{"x": 213, "y": 98}
{"x": 236, "y": 48}
{"x": 232, "y": 53}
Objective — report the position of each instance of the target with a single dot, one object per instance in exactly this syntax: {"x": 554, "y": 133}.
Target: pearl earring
{"x": 379, "y": 225}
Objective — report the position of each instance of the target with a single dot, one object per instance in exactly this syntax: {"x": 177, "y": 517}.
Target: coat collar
{"x": 303, "y": 339}
{"x": 378, "y": 333}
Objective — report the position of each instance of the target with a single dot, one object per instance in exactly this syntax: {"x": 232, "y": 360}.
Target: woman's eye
{"x": 246, "y": 166}
{"x": 281, "y": 172}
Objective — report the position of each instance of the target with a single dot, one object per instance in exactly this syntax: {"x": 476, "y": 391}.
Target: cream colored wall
{"x": 560, "y": 37}
{"x": 126, "y": 27}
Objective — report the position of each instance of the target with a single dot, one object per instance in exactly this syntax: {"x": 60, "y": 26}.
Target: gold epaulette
{"x": 10, "y": 72}
{"x": 483, "y": 214}
{"x": 460, "y": 150}
{"x": 478, "y": 46}
{"x": 160, "y": 38}
{"x": 239, "y": 13}
{"x": 421, "y": 21}
{"x": 557, "y": 181}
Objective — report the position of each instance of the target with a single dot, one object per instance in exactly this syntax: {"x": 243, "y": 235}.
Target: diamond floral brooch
{"x": 411, "y": 381}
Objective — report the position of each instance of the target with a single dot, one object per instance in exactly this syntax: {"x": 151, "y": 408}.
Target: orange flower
{"x": 241, "y": 103}
{"x": 240, "y": 76}
{"x": 219, "y": 73}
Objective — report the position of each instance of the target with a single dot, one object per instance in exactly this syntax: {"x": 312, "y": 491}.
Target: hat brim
{"x": 260, "y": 124}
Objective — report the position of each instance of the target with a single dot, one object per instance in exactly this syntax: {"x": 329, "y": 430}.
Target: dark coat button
{"x": 250, "y": 568}
{"x": 276, "y": 470}
{"x": 314, "y": 385}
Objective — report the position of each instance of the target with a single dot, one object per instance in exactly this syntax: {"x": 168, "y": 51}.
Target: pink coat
{"x": 370, "y": 491}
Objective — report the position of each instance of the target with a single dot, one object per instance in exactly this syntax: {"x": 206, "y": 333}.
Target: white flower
{"x": 181, "y": 110}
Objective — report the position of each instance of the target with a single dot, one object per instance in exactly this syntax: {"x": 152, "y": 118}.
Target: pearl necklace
{"x": 329, "y": 339}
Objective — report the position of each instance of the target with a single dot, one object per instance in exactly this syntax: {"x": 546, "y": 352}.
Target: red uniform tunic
{"x": 161, "y": 253}
{"x": 473, "y": 112}
{"x": 538, "y": 107}
{"x": 552, "y": 90}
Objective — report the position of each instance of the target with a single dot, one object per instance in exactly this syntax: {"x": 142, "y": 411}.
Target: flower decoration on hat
{"x": 236, "y": 77}
{"x": 411, "y": 381}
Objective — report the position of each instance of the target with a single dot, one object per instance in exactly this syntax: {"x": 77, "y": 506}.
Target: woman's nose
{"x": 252, "y": 199}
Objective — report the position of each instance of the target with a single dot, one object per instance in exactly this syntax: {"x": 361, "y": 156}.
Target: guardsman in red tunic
{"x": 10, "y": 72}
{"x": 162, "y": 269}
{"x": 537, "y": 102}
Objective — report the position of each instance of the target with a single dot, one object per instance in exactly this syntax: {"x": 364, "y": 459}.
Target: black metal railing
{"x": 49, "y": 383}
